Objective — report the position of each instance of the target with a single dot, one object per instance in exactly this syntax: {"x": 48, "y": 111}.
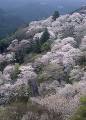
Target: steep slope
{"x": 60, "y": 71}
{"x": 8, "y": 23}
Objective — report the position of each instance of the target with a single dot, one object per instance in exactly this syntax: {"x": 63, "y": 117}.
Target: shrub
{"x": 35, "y": 57}
{"x": 28, "y": 57}
{"x": 46, "y": 46}
{"x": 83, "y": 100}
{"x": 3, "y": 114}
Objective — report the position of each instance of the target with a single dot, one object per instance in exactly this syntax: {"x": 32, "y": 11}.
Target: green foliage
{"x": 28, "y": 57}
{"x": 81, "y": 112}
{"x": 16, "y": 73}
{"x": 16, "y": 111}
{"x": 39, "y": 80}
{"x": 37, "y": 46}
{"x": 3, "y": 114}
{"x": 35, "y": 57}
{"x": 83, "y": 100}
{"x": 82, "y": 61}
{"x": 45, "y": 36}
{"x": 20, "y": 57}
{"x": 13, "y": 112}
{"x": 56, "y": 15}
{"x": 6, "y": 41}
{"x": 42, "y": 45}
{"x": 46, "y": 46}
{"x": 68, "y": 81}
{"x": 3, "y": 45}
{"x": 3, "y": 65}
{"x": 22, "y": 97}
{"x": 8, "y": 23}
{"x": 30, "y": 102}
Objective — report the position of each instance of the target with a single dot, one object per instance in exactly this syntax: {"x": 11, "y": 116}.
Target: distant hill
{"x": 32, "y": 11}
{"x": 8, "y": 23}
{"x": 80, "y": 10}
{"x": 64, "y": 6}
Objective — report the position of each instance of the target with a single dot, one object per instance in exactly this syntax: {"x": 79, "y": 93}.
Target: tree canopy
{"x": 56, "y": 15}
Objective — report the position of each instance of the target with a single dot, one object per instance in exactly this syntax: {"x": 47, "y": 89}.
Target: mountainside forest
{"x": 43, "y": 66}
{"x": 8, "y": 23}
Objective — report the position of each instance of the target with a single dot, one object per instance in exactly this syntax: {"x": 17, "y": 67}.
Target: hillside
{"x": 8, "y": 23}
{"x": 43, "y": 70}
{"x": 32, "y": 11}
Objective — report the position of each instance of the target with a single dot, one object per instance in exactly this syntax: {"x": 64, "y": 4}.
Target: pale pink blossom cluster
{"x": 83, "y": 44}
{"x": 64, "y": 25}
{"x": 9, "y": 57}
{"x": 22, "y": 46}
{"x": 9, "y": 87}
{"x": 62, "y": 51}
{"x": 13, "y": 44}
{"x": 66, "y": 99}
{"x": 76, "y": 73}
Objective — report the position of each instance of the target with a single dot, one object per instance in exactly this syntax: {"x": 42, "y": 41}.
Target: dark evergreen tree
{"x": 37, "y": 46}
{"x": 45, "y": 36}
{"x": 56, "y": 15}
{"x": 20, "y": 57}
